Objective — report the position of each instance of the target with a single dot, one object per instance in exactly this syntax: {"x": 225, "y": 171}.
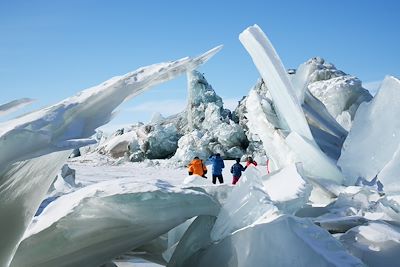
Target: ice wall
{"x": 60, "y": 127}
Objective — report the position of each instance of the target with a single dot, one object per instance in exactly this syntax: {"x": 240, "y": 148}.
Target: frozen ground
{"x": 95, "y": 168}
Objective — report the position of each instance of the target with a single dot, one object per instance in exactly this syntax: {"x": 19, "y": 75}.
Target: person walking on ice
{"x": 217, "y": 166}
{"x": 236, "y": 171}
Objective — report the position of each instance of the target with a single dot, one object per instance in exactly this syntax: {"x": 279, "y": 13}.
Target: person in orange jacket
{"x": 196, "y": 166}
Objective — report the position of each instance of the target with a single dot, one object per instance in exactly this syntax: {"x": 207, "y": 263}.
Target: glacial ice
{"x": 25, "y": 176}
{"x": 375, "y": 135}
{"x": 99, "y": 222}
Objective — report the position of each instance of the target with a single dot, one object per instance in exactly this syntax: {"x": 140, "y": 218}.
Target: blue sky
{"x": 50, "y": 50}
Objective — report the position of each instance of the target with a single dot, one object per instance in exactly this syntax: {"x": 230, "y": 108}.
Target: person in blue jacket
{"x": 236, "y": 171}
{"x": 217, "y": 166}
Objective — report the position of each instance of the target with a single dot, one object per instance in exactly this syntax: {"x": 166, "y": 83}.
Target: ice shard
{"x": 273, "y": 140}
{"x": 374, "y": 138}
{"x": 196, "y": 238}
{"x": 291, "y": 195}
{"x": 285, "y": 241}
{"x": 316, "y": 164}
{"x": 23, "y": 186}
{"x": 316, "y": 112}
{"x": 272, "y": 71}
{"x": 376, "y": 244}
{"x": 97, "y": 223}
{"x": 14, "y": 105}
{"x": 288, "y": 106}
{"x": 247, "y": 204}
{"x": 60, "y": 127}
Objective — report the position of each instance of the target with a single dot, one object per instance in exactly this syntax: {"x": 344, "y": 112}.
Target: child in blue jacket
{"x": 236, "y": 171}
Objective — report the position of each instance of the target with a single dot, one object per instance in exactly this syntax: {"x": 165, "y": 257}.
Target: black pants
{"x": 220, "y": 179}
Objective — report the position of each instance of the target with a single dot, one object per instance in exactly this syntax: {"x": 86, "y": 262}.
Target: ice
{"x": 200, "y": 95}
{"x": 14, "y": 105}
{"x": 27, "y": 172}
{"x": 340, "y": 94}
{"x": 160, "y": 249}
{"x": 287, "y": 188}
{"x": 376, "y": 244}
{"x": 99, "y": 222}
{"x": 117, "y": 145}
{"x": 374, "y": 137}
{"x": 316, "y": 164}
{"x": 203, "y": 128}
{"x": 65, "y": 182}
{"x": 274, "y": 144}
{"x": 247, "y": 203}
{"x": 63, "y": 125}
{"x": 196, "y": 238}
{"x": 23, "y": 186}
{"x": 318, "y": 115}
{"x": 389, "y": 175}
{"x": 210, "y": 129}
{"x": 285, "y": 241}
{"x": 288, "y": 106}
